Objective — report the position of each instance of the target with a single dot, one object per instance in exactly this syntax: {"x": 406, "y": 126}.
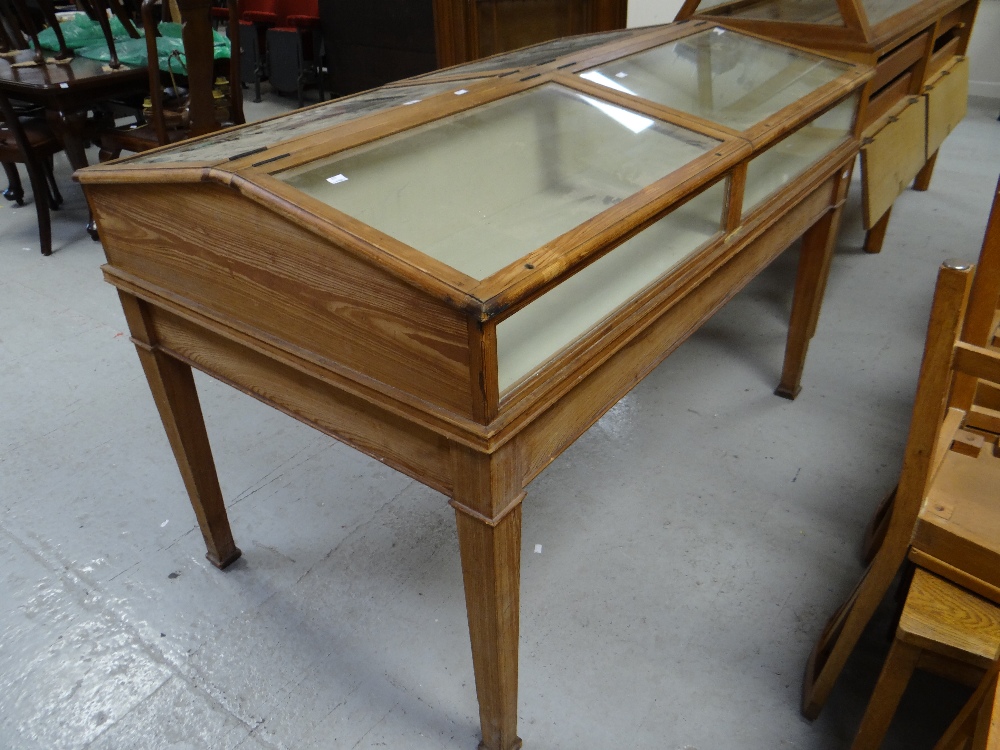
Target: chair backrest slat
{"x": 198, "y": 41}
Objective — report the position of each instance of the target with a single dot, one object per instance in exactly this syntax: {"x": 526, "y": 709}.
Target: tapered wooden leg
{"x": 923, "y": 179}
{"x": 814, "y": 268}
{"x": 172, "y": 384}
{"x": 842, "y": 632}
{"x": 877, "y": 527}
{"x": 875, "y": 236}
{"x": 844, "y": 629}
{"x": 488, "y": 513}
{"x": 978, "y": 719}
{"x": 892, "y": 682}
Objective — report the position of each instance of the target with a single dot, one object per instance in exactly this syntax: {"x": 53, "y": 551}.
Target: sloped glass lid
{"x": 880, "y": 10}
{"x": 786, "y": 11}
{"x": 480, "y": 189}
{"x": 261, "y": 135}
{"x": 719, "y": 75}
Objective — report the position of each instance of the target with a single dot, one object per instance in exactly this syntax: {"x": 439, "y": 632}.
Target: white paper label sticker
{"x": 336, "y": 178}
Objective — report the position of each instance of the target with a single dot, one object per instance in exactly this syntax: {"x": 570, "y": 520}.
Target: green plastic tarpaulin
{"x": 169, "y": 46}
{"x": 80, "y": 31}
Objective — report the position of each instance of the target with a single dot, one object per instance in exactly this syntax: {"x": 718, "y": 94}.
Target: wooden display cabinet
{"x": 460, "y": 275}
{"x": 917, "y": 48}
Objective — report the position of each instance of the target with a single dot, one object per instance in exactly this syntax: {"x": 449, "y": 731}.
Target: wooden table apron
{"x": 68, "y": 91}
{"x": 483, "y": 469}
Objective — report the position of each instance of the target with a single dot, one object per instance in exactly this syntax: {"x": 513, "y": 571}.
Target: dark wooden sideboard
{"x": 369, "y": 44}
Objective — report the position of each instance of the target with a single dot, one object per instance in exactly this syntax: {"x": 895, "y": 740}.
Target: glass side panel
{"x": 729, "y": 78}
{"x": 789, "y": 11}
{"x": 790, "y": 157}
{"x": 533, "y": 334}
{"x": 538, "y": 53}
{"x": 879, "y": 10}
{"x": 480, "y": 189}
{"x": 302, "y": 122}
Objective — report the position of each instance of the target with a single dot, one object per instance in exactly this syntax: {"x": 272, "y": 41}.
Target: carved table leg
{"x": 923, "y": 179}
{"x": 69, "y": 128}
{"x": 488, "y": 513}
{"x": 814, "y": 267}
{"x": 14, "y": 191}
{"x": 173, "y": 388}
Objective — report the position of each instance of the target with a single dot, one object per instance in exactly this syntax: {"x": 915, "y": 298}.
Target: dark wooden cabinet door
{"x": 376, "y": 41}
{"x": 470, "y": 29}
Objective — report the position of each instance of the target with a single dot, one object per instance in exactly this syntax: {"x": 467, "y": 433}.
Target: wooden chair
{"x": 945, "y": 517}
{"x": 29, "y": 141}
{"x": 197, "y": 108}
{"x": 982, "y": 328}
{"x": 17, "y": 26}
{"x": 943, "y": 629}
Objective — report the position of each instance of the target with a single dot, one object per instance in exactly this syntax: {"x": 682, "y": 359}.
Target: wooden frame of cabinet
{"x": 909, "y": 50}
{"x": 395, "y": 353}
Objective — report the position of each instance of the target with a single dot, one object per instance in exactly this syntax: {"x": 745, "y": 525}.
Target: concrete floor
{"x": 693, "y": 542}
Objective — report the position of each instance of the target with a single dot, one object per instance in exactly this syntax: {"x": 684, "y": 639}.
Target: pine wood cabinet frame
{"x": 222, "y": 266}
{"x": 907, "y": 49}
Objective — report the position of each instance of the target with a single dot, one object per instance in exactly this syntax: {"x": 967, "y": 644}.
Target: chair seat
{"x": 302, "y": 22}
{"x": 137, "y": 139}
{"x": 959, "y": 521}
{"x": 258, "y": 16}
{"x": 945, "y": 619}
{"x": 40, "y": 137}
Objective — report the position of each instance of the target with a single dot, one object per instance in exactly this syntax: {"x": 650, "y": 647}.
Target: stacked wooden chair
{"x": 178, "y": 115}
{"x": 945, "y": 516}
{"x": 944, "y": 629}
{"x": 27, "y": 139}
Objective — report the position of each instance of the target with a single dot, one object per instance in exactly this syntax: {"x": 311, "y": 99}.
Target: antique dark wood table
{"x": 68, "y": 91}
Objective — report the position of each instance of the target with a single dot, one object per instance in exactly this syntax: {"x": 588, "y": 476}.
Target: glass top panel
{"x": 729, "y": 78}
{"x": 482, "y": 188}
{"x": 879, "y": 10}
{"x": 789, "y": 11}
{"x": 302, "y": 122}
{"x": 539, "y": 53}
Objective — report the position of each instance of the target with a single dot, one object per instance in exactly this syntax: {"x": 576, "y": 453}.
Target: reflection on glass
{"x": 480, "y": 189}
{"x": 790, "y": 157}
{"x": 729, "y": 78}
{"x": 538, "y": 53}
{"x": 789, "y": 11}
{"x": 532, "y": 335}
{"x": 879, "y": 10}
{"x": 269, "y": 132}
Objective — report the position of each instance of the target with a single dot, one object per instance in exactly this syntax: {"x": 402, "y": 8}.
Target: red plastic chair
{"x": 256, "y": 17}
{"x": 300, "y": 14}
{"x": 295, "y": 48}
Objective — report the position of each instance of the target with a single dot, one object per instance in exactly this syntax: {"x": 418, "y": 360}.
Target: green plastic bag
{"x": 169, "y": 50}
{"x": 81, "y": 31}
